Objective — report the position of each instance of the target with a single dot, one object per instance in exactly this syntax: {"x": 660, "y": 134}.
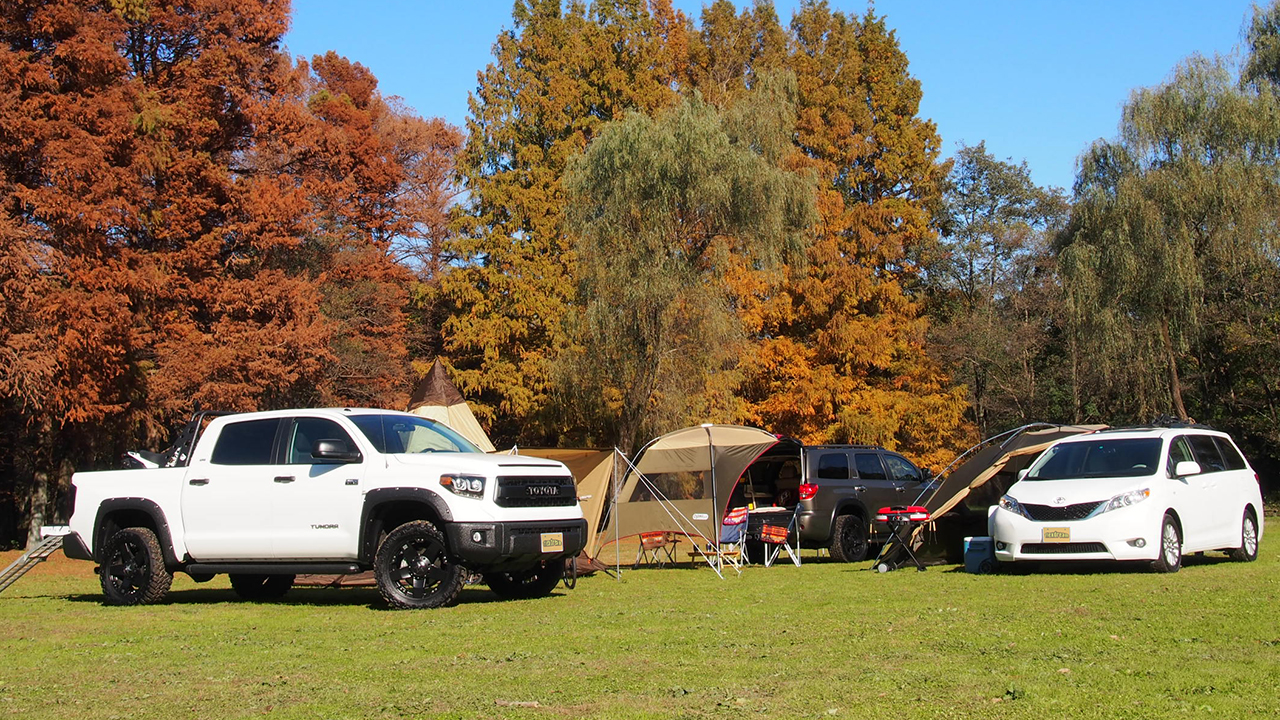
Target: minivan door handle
{"x": 284, "y": 478}
{"x": 198, "y": 481}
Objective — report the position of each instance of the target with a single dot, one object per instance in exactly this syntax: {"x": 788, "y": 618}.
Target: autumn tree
{"x": 559, "y": 73}
{"x": 993, "y": 289}
{"x": 659, "y": 206}
{"x": 839, "y": 344}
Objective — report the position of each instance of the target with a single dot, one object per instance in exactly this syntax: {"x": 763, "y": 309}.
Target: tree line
{"x": 648, "y": 220}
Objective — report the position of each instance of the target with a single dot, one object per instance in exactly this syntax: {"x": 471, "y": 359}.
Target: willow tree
{"x": 659, "y": 206}
{"x": 1167, "y": 219}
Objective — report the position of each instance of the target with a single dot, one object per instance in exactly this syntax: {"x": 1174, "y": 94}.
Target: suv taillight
{"x": 807, "y": 491}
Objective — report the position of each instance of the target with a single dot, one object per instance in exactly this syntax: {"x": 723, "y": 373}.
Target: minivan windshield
{"x": 1099, "y": 457}
{"x": 393, "y": 434}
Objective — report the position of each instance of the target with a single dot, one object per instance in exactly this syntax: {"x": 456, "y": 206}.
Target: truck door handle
{"x": 284, "y": 478}
{"x": 198, "y": 481}
{"x": 859, "y": 488}
{"x": 900, "y": 488}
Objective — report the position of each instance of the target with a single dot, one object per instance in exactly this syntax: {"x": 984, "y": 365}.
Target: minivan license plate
{"x": 1052, "y": 535}
{"x": 552, "y": 542}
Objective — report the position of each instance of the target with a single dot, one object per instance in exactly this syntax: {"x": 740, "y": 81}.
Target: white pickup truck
{"x": 265, "y": 496}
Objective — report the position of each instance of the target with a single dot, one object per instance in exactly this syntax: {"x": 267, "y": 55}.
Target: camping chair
{"x": 657, "y": 547}
{"x": 733, "y": 535}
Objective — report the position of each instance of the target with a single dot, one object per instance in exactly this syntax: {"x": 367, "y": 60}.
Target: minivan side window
{"x": 869, "y": 467}
{"x": 246, "y": 443}
{"x": 833, "y": 466}
{"x": 304, "y": 434}
{"x": 1207, "y": 453}
{"x": 1230, "y": 454}
{"x": 900, "y": 469}
{"x": 1179, "y": 451}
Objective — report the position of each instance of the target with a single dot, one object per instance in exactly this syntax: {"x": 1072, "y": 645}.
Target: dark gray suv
{"x": 843, "y": 487}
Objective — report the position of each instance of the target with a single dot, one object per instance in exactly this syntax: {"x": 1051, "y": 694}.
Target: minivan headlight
{"x": 1127, "y": 499}
{"x": 1008, "y": 503}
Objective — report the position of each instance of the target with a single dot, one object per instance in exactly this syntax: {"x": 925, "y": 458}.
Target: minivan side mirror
{"x": 1022, "y": 474}
{"x": 334, "y": 450}
{"x": 1185, "y": 468}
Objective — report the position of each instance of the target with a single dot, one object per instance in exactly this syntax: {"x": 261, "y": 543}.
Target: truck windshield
{"x": 1133, "y": 457}
{"x": 394, "y": 434}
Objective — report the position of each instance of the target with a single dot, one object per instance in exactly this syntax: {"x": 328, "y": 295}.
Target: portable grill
{"x": 901, "y": 519}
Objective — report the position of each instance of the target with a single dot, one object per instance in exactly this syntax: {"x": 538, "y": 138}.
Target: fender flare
{"x": 382, "y": 496}
{"x": 141, "y": 504}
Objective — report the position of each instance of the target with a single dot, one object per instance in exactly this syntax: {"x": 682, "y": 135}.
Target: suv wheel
{"x": 1170, "y": 558}
{"x": 414, "y": 570}
{"x": 261, "y": 587}
{"x": 849, "y": 539}
{"x": 1248, "y": 550}
{"x": 133, "y": 571}
{"x": 535, "y": 582}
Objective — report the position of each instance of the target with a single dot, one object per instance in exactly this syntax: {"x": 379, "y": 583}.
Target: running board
{"x": 297, "y": 568}
{"x": 29, "y": 560}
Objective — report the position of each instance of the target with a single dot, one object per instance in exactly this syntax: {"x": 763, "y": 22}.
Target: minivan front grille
{"x": 1049, "y": 513}
{"x": 535, "y": 491}
{"x": 1067, "y": 548}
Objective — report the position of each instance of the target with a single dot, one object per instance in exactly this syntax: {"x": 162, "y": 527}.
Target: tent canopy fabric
{"x": 680, "y": 466}
{"x": 436, "y": 397}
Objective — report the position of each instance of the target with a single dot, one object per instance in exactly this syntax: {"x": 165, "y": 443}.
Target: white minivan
{"x": 1149, "y": 494}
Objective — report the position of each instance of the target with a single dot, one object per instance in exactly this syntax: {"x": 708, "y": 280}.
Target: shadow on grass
{"x": 1098, "y": 567}
{"x": 299, "y": 597}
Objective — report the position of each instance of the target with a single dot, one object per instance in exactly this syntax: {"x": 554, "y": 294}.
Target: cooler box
{"x": 979, "y": 555}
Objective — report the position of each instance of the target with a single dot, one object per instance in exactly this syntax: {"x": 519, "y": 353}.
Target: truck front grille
{"x": 536, "y": 491}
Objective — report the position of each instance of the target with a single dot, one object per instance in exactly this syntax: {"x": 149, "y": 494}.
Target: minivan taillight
{"x": 807, "y": 491}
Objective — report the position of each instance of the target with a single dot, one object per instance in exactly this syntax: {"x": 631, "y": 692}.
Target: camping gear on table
{"x": 901, "y": 519}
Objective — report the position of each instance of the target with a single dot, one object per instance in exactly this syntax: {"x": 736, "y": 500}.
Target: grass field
{"x": 820, "y": 641}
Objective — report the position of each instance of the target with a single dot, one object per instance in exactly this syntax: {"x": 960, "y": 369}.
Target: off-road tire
{"x": 849, "y": 541}
{"x": 1248, "y": 550}
{"x": 1170, "y": 547}
{"x": 414, "y": 570}
{"x": 132, "y": 570}
{"x": 536, "y": 582}
{"x": 261, "y": 587}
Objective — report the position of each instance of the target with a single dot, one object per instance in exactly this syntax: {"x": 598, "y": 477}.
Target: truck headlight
{"x": 1126, "y": 499}
{"x": 1009, "y": 503}
{"x": 464, "y": 485}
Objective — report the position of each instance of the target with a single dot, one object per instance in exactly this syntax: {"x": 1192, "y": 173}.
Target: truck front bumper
{"x": 516, "y": 545}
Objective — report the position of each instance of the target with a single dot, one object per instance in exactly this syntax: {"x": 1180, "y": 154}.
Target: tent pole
{"x": 617, "y": 540}
{"x": 715, "y": 502}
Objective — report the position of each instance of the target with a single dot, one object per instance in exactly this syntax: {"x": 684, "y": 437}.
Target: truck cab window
{"x": 305, "y": 433}
{"x": 833, "y": 466}
{"x": 900, "y": 470}
{"x": 246, "y": 443}
{"x": 869, "y": 467}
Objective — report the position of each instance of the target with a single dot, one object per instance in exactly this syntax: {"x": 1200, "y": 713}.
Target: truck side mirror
{"x": 334, "y": 450}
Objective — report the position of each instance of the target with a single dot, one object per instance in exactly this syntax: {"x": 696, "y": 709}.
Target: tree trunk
{"x": 38, "y": 506}
{"x": 1175, "y": 384}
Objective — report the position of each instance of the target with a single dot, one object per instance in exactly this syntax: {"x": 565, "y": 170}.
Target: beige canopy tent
{"x": 437, "y": 398}
{"x": 681, "y": 481}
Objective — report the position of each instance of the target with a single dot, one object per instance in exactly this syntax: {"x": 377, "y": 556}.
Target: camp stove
{"x": 901, "y": 519}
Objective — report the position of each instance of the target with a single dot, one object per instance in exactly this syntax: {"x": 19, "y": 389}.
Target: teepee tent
{"x": 437, "y": 398}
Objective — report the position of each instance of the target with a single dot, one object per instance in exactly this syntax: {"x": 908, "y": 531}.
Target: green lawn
{"x": 820, "y": 641}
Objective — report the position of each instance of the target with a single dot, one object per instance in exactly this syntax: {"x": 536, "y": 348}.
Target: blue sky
{"x": 1037, "y": 80}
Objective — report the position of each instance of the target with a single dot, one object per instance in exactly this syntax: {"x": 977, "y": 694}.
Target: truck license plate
{"x": 1056, "y": 535}
{"x": 552, "y": 542}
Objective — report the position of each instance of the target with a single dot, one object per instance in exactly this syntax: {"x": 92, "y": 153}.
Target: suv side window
{"x": 1230, "y": 454}
{"x": 304, "y": 434}
{"x": 833, "y": 466}
{"x": 869, "y": 467}
{"x": 246, "y": 443}
{"x": 1179, "y": 451}
{"x": 900, "y": 469}
{"x": 1207, "y": 453}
